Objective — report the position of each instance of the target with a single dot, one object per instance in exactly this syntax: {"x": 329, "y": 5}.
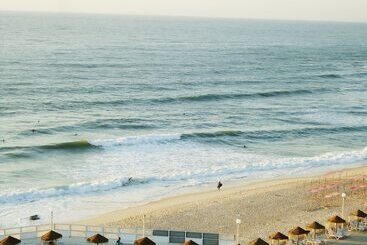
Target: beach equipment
{"x": 337, "y": 234}
{"x": 299, "y": 233}
{"x": 190, "y": 242}
{"x": 144, "y": 241}
{"x": 336, "y": 220}
{"x": 97, "y": 238}
{"x": 278, "y": 237}
{"x": 357, "y": 216}
{"x": 9, "y": 240}
{"x": 51, "y": 236}
{"x": 258, "y": 241}
{"x": 315, "y": 227}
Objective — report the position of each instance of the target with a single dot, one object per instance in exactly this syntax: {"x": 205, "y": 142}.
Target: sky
{"x": 332, "y": 10}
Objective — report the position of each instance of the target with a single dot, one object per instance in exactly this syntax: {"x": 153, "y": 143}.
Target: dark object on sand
{"x": 10, "y": 241}
{"x": 258, "y": 241}
{"x": 34, "y": 217}
{"x": 219, "y": 185}
{"x": 144, "y": 241}
{"x": 97, "y": 238}
{"x": 51, "y": 236}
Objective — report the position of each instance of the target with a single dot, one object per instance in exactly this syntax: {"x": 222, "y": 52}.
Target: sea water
{"x": 103, "y": 112}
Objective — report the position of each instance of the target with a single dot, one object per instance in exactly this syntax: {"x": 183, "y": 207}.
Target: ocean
{"x": 101, "y": 112}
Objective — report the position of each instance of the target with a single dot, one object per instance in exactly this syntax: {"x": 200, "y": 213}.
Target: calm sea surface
{"x": 107, "y": 112}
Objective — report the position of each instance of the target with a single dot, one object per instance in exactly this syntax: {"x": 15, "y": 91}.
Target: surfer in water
{"x": 219, "y": 185}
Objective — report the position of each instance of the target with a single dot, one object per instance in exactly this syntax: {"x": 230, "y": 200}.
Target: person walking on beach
{"x": 118, "y": 242}
{"x": 219, "y": 185}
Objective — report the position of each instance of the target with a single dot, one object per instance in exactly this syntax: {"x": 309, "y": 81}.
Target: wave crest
{"x": 69, "y": 190}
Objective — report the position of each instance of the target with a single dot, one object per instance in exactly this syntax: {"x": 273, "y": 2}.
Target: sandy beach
{"x": 264, "y": 207}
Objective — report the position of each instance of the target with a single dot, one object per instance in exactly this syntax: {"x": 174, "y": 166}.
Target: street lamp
{"x": 238, "y": 222}
{"x": 343, "y": 201}
{"x": 144, "y": 225}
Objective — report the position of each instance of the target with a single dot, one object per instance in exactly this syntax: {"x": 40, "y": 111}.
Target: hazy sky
{"x": 340, "y": 10}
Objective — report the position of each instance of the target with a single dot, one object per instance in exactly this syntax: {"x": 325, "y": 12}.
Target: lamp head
{"x": 238, "y": 221}
{"x": 344, "y": 195}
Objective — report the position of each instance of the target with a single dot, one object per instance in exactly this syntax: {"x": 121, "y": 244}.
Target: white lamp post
{"x": 343, "y": 201}
{"x": 238, "y": 222}
{"x": 144, "y": 225}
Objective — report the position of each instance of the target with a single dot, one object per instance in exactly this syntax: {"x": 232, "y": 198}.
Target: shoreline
{"x": 287, "y": 198}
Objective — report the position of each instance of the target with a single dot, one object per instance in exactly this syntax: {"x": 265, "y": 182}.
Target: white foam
{"x": 192, "y": 164}
{"x": 136, "y": 140}
{"x": 81, "y": 188}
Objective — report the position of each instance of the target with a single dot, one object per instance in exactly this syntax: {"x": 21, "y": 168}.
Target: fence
{"x": 128, "y": 236}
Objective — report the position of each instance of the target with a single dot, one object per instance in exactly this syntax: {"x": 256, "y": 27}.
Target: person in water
{"x": 118, "y": 242}
{"x": 219, "y": 185}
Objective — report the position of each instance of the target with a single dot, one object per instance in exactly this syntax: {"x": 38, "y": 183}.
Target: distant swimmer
{"x": 130, "y": 179}
{"x": 219, "y": 185}
{"x": 33, "y": 130}
{"x": 244, "y": 146}
{"x": 3, "y": 140}
{"x": 75, "y": 134}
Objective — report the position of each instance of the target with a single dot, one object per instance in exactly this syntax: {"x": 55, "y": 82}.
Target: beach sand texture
{"x": 264, "y": 207}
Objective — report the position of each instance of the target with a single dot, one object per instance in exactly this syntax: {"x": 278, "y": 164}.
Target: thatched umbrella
{"x": 336, "y": 220}
{"x": 315, "y": 227}
{"x": 359, "y": 215}
{"x": 9, "y": 240}
{"x": 144, "y": 241}
{"x": 258, "y": 241}
{"x": 190, "y": 242}
{"x": 51, "y": 236}
{"x": 97, "y": 238}
{"x": 298, "y": 231}
{"x": 278, "y": 237}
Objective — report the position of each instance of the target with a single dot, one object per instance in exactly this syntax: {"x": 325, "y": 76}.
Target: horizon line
{"x": 183, "y": 16}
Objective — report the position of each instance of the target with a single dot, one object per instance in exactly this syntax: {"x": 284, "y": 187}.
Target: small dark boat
{"x": 34, "y": 217}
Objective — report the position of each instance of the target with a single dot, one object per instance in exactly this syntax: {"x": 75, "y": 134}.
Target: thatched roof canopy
{"x": 51, "y": 236}
{"x": 278, "y": 236}
{"x": 258, "y": 241}
{"x": 336, "y": 219}
{"x": 144, "y": 241}
{"x": 97, "y": 238}
{"x": 9, "y": 240}
{"x": 315, "y": 226}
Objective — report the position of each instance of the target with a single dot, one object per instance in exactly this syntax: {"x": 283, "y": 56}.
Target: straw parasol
{"x": 97, "y": 238}
{"x": 190, "y": 242}
{"x": 359, "y": 214}
{"x": 336, "y": 220}
{"x": 258, "y": 241}
{"x": 51, "y": 236}
{"x": 144, "y": 241}
{"x": 278, "y": 237}
{"x": 9, "y": 240}
{"x": 315, "y": 226}
{"x": 298, "y": 231}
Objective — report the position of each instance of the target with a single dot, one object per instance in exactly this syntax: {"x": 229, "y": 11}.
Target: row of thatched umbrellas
{"x": 297, "y": 232}
{"x": 314, "y": 227}
{"x": 52, "y": 236}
